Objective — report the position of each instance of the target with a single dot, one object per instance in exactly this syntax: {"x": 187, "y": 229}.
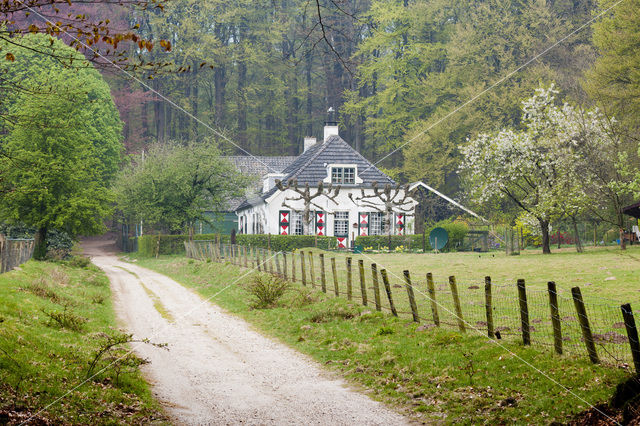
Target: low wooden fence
{"x": 567, "y": 322}
{"x": 14, "y": 252}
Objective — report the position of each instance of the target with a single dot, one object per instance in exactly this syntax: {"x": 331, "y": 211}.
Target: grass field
{"x": 432, "y": 374}
{"x": 605, "y": 275}
{"x": 54, "y": 317}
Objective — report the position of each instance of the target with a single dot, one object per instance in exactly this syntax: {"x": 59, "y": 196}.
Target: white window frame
{"x": 295, "y": 223}
{"x": 341, "y": 219}
{"x": 331, "y": 167}
{"x": 377, "y": 223}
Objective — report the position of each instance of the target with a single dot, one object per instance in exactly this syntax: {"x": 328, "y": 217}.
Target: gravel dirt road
{"x": 217, "y": 369}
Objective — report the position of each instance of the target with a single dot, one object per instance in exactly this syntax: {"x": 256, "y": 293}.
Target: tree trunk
{"x": 40, "y": 249}
{"x": 558, "y": 237}
{"x": 544, "y": 227}
{"x": 577, "y": 235}
{"x": 620, "y": 217}
{"x": 242, "y": 104}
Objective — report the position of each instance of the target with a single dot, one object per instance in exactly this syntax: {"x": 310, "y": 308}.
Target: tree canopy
{"x": 171, "y": 185}
{"x": 61, "y": 144}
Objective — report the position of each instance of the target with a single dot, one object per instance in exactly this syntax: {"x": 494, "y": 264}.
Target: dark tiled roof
{"x": 256, "y": 166}
{"x": 260, "y": 165}
{"x": 310, "y": 166}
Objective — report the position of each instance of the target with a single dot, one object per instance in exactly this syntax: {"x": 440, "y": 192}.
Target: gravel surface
{"x": 217, "y": 369}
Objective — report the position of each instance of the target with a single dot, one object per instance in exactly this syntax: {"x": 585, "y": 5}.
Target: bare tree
{"x": 396, "y": 199}
{"x": 305, "y": 195}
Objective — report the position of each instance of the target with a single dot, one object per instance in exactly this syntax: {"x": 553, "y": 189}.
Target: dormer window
{"x": 343, "y": 175}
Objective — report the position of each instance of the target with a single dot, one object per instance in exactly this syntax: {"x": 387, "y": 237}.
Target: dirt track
{"x": 219, "y": 371}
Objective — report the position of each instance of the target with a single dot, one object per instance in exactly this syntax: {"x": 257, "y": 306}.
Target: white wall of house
{"x": 264, "y": 218}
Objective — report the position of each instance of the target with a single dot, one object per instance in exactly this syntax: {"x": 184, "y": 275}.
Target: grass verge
{"x": 431, "y": 374}
{"x": 54, "y": 320}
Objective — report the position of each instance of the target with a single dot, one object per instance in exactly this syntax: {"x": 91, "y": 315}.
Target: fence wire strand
{"x": 604, "y": 316}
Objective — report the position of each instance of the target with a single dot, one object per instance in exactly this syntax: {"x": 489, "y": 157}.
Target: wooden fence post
{"x": 524, "y": 312}
{"x": 431, "y": 288}
{"x": 632, "y": 335}
{"x": 387, "y": 289}
{"x": 363, "y": 286}
{"x": 336, "y": 289}
{"x": 293, "y": 266}
{"x": 584, "y": 324}
{"x": 256, "y": 253}
{"x": 284, "y": 265}
{"x": 302, "y": 269}
{"x": 488, "y": 306}
{"x": 376, "y": 286}
{"x": 270, "y": 261}
{"x": 278, "y": 270}
{"x": 349, "y": 276}
{"x": 456, "y": 303}
{"x": 323, "y": 277}
{"x": 246, "y": 259}
{"x": 312, "y": 270}
{"x": 555, "y": 317}
{"x": 412, "y": 298}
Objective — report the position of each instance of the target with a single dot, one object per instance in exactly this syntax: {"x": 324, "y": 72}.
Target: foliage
{"x": 456, "y": 231}
{"x": 379, "y": 241}
{"x": 60, "y": 149}
{"x": 104, "y": 37}
{"x": 425, "y": 59}
{"x": 566, "y": 160}
{"x": 613, "y": 82}
{"x": 173, "y": 185}
{"x": 266, "y": 290}
{"x": 174, "y": 244}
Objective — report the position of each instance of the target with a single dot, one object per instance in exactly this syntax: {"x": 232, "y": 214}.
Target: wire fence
{"x": 14, "y": 252}
{"x": 566, "y": 322}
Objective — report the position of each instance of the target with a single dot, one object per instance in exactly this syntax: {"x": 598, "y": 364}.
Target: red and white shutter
{"x": 400, "y": 223}
{"x": 342, "y": 242}
{"x": 285, "y": 219}
{"x": 321, "y": 223}
{"x": 363, "y": 224}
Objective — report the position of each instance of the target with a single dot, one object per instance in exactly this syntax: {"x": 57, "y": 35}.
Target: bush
{"x": 408, "y": 242}
{"x": 174, "y": 244}
{"x": 456, "y": 230}
{"x": 266, "y": 290}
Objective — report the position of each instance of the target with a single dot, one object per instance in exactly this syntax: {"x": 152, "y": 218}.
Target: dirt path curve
{"x": 217, "y": 369}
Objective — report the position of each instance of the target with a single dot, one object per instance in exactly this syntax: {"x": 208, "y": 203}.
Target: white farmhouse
{"x": 343, "y": 214}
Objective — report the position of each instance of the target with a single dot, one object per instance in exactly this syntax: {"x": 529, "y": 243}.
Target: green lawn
{"x": 53, "y": 319}
{"x": 593, "y": 271}
{"x": 432, "y": 374}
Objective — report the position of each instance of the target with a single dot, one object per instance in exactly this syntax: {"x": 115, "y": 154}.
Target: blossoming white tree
{"x": 563, "y": 161}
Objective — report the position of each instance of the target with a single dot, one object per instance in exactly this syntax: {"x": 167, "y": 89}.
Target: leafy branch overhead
{"x": 81, "y": 25}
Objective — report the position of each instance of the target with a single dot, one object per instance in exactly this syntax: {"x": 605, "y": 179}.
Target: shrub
{"x": 408, "y": 242}
{"x": 266, "y": 290}
{"x": 457, "y": 231}
{"x": 79, "y": 262}
{"x": 174, "y": 244}
{"x": 66, "y": 319}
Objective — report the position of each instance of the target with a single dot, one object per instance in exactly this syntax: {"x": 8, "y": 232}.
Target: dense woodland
{"x": 414, "y": 82}
{"x": 390, "y": 67}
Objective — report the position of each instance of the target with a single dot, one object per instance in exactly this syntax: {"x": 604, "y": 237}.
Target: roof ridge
{"x": 324, "y": 145}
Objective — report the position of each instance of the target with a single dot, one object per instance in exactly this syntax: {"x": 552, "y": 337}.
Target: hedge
{"x": 456, "y": 230}
{"x": 174, "y": 244}
{"x": 407, "y": 241}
